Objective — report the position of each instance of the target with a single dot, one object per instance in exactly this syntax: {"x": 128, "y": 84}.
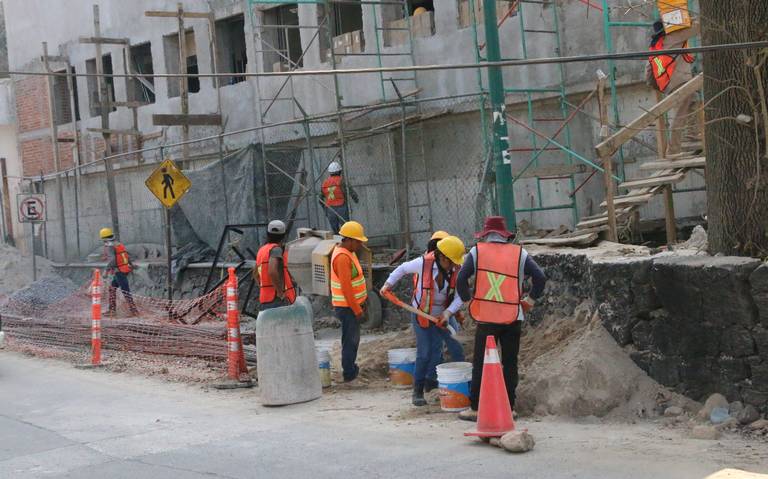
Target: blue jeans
{"x": 337, "y": 216}
{"x": 455, "y": 349}
{"x": 350, "y": 340}
{"x": 429, "y": 351}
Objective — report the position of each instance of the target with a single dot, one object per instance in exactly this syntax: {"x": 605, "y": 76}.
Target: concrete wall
{"x": 448, "y": 150}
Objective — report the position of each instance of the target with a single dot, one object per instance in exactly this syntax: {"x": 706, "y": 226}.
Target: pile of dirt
{"x": 16, "y": 270}
{"x": 44, "y": 292}
{"x": 569, "y": 366}
{"x": 573, "y": 367}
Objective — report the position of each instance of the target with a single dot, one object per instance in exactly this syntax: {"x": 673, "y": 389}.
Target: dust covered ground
{"x": 58, "y": 421}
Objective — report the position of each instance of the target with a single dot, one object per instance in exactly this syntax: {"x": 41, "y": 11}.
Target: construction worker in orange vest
{"x": 334, "y": 200}
{"x": 434, "y": 294}
{"x": 119, "y": 266}
{"x": 454, "y": 347}
{"x": 349, "y": 292}
{"x": 497, "y": 303}
{"x": 276, "y": 286}
{"x": 666, "y": 73}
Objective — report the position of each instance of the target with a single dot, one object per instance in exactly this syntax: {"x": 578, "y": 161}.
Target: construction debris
{"x": 517, "y": 441}
{"x": 705, "y": 432}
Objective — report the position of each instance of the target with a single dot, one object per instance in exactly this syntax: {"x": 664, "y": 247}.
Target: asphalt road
{"x": 56, "y": 421}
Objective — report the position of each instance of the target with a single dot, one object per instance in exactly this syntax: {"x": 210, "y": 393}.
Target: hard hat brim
{"x": 358, "y": 238}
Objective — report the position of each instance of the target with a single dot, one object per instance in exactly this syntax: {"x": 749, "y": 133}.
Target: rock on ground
{"x": 705, "y": 432}
{"x": 713, "y": 401}
{"x": 759, "y": 424}
{"x": 748, "y": 415}
{"x": 517, "y": 441}
{"x": 673, "y": 411}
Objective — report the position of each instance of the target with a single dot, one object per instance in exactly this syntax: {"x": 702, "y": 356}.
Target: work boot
{"x": 430, "y": 384}
{"x": 468, "y": 415}
{"x": 418, "y": 395}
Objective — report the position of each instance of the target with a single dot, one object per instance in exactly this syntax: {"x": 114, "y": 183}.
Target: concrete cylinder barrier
{"x": 286, "y": 356}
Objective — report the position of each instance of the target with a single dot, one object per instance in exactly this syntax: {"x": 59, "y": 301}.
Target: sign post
{"x": 31, "y": 210}
{"x": 168, "y": 184}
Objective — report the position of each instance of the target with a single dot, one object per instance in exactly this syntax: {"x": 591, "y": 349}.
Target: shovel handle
{"x": 389, "y": 295}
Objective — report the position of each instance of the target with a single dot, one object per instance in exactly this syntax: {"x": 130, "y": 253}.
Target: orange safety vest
{"x": 663, "y": 66}
{"x": 121, "y": 259}
{"x": 333, "y": 191}
{"x": 427, "y": 300}
{"x": 359, "y": 288}
{"x": 267, "y": 292}
{"x": 498, "y": 284}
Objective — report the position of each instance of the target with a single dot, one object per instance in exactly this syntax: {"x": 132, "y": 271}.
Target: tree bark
{"x": 735, "y": 83}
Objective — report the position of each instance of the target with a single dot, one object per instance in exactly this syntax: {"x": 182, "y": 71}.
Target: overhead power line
{"x": 635, "y": 55}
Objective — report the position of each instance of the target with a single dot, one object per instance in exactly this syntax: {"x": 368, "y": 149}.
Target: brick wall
{"x": 32, "y": 103}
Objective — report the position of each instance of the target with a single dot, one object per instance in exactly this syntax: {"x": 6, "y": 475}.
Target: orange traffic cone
{"x": 494, "y": 416}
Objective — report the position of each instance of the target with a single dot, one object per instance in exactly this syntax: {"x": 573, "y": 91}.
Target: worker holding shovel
{"x": 433, "y": 295}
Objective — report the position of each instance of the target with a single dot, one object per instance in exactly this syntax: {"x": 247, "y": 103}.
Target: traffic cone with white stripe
{"x": 494, "y": 414}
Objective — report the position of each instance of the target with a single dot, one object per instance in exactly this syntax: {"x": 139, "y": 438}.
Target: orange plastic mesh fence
{"x": 186, "y": 328}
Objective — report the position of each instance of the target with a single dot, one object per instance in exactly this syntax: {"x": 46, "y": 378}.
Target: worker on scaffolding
{"x": 119, "y": 266}
{"x": 334, "y": 199}
{"x": 349, "y": 293}
{"x": 497, "y": 303}
{"x": 276, "y": 286}
{"x": 666, "y": 73}
{"x": 434, "y": 293}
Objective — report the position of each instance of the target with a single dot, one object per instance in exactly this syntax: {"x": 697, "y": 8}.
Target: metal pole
{"x": 168, "y": 252}
{"x": 34, "y": 260}
{"x": 501, "y": 157}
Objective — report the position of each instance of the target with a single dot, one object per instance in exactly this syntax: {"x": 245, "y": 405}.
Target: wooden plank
{"x": 174, "y": 14}
{"x": 104, "y": 40}
{"x": 127, "y": 104}
{"x": 152, "y": 136}
{"x": 696, "y": 162}
{"x": 607, "y": 161}
{"x": 65, "y": 140}
{"x": 54, "y": 58}
{"x": 631, "y": 200}
{"x": 613, "y": 142}
{"x": 653, "y": 181}
{"x": 189, "y": 120}
{"x": 555, "y": 170}
{"x": 581, "y": 240}
{"x": 112, "y": 131}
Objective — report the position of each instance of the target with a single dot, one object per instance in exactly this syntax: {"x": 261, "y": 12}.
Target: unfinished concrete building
{"x": 415, "y": 145}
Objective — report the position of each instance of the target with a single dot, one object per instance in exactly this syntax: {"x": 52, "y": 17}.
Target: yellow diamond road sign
{"x": 168, "y": 183}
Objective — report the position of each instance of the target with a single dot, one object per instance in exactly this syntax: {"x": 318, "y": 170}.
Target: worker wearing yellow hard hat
{"x": 435, "y": 276}
{"x": 119, "y": 266}
{"x": 349, "y": 292}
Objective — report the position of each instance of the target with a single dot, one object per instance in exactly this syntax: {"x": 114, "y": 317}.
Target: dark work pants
{"x": 350, "y": 340}
{"x": 337, "y": 216}
{"x": 508, "y": 338}
{"x": 120, "y": 281}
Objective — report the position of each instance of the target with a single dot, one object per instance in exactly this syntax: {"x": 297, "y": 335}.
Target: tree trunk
{"x": 735, "y": 83}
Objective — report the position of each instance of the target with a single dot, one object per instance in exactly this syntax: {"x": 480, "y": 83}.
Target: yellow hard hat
{"x": 419, "y": 11}
{"x": 453, "y": 248}
{"x": 106, "y": 233}
{"x": 354, "y": 230}
{"x": 440, "y": 234}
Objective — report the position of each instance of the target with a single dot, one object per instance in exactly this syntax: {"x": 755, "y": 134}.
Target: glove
{"x": 527, "y": 303}
{"x": 383, "y": 290}
{"x": 444, "y": 318}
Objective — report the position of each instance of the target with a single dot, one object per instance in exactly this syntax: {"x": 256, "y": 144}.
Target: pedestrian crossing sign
{"x": 168, "y": 183}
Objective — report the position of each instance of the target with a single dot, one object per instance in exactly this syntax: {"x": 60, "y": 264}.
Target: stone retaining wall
{"x": 697, "y": 324}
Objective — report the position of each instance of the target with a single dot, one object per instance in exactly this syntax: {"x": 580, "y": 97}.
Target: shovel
{"x": 397, "y": 302}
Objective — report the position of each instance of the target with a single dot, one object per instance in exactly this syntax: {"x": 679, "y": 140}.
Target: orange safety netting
{"x": 188, "y": 327}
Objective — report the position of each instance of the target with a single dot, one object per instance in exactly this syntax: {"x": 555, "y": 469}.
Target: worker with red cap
{"x": 497, "y": 303}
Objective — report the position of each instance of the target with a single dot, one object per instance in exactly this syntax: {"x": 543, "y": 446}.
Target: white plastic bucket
{"x": 454, "y": 380}
{"x": 402, "y": 363}
{"x": 324, "y": 366}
